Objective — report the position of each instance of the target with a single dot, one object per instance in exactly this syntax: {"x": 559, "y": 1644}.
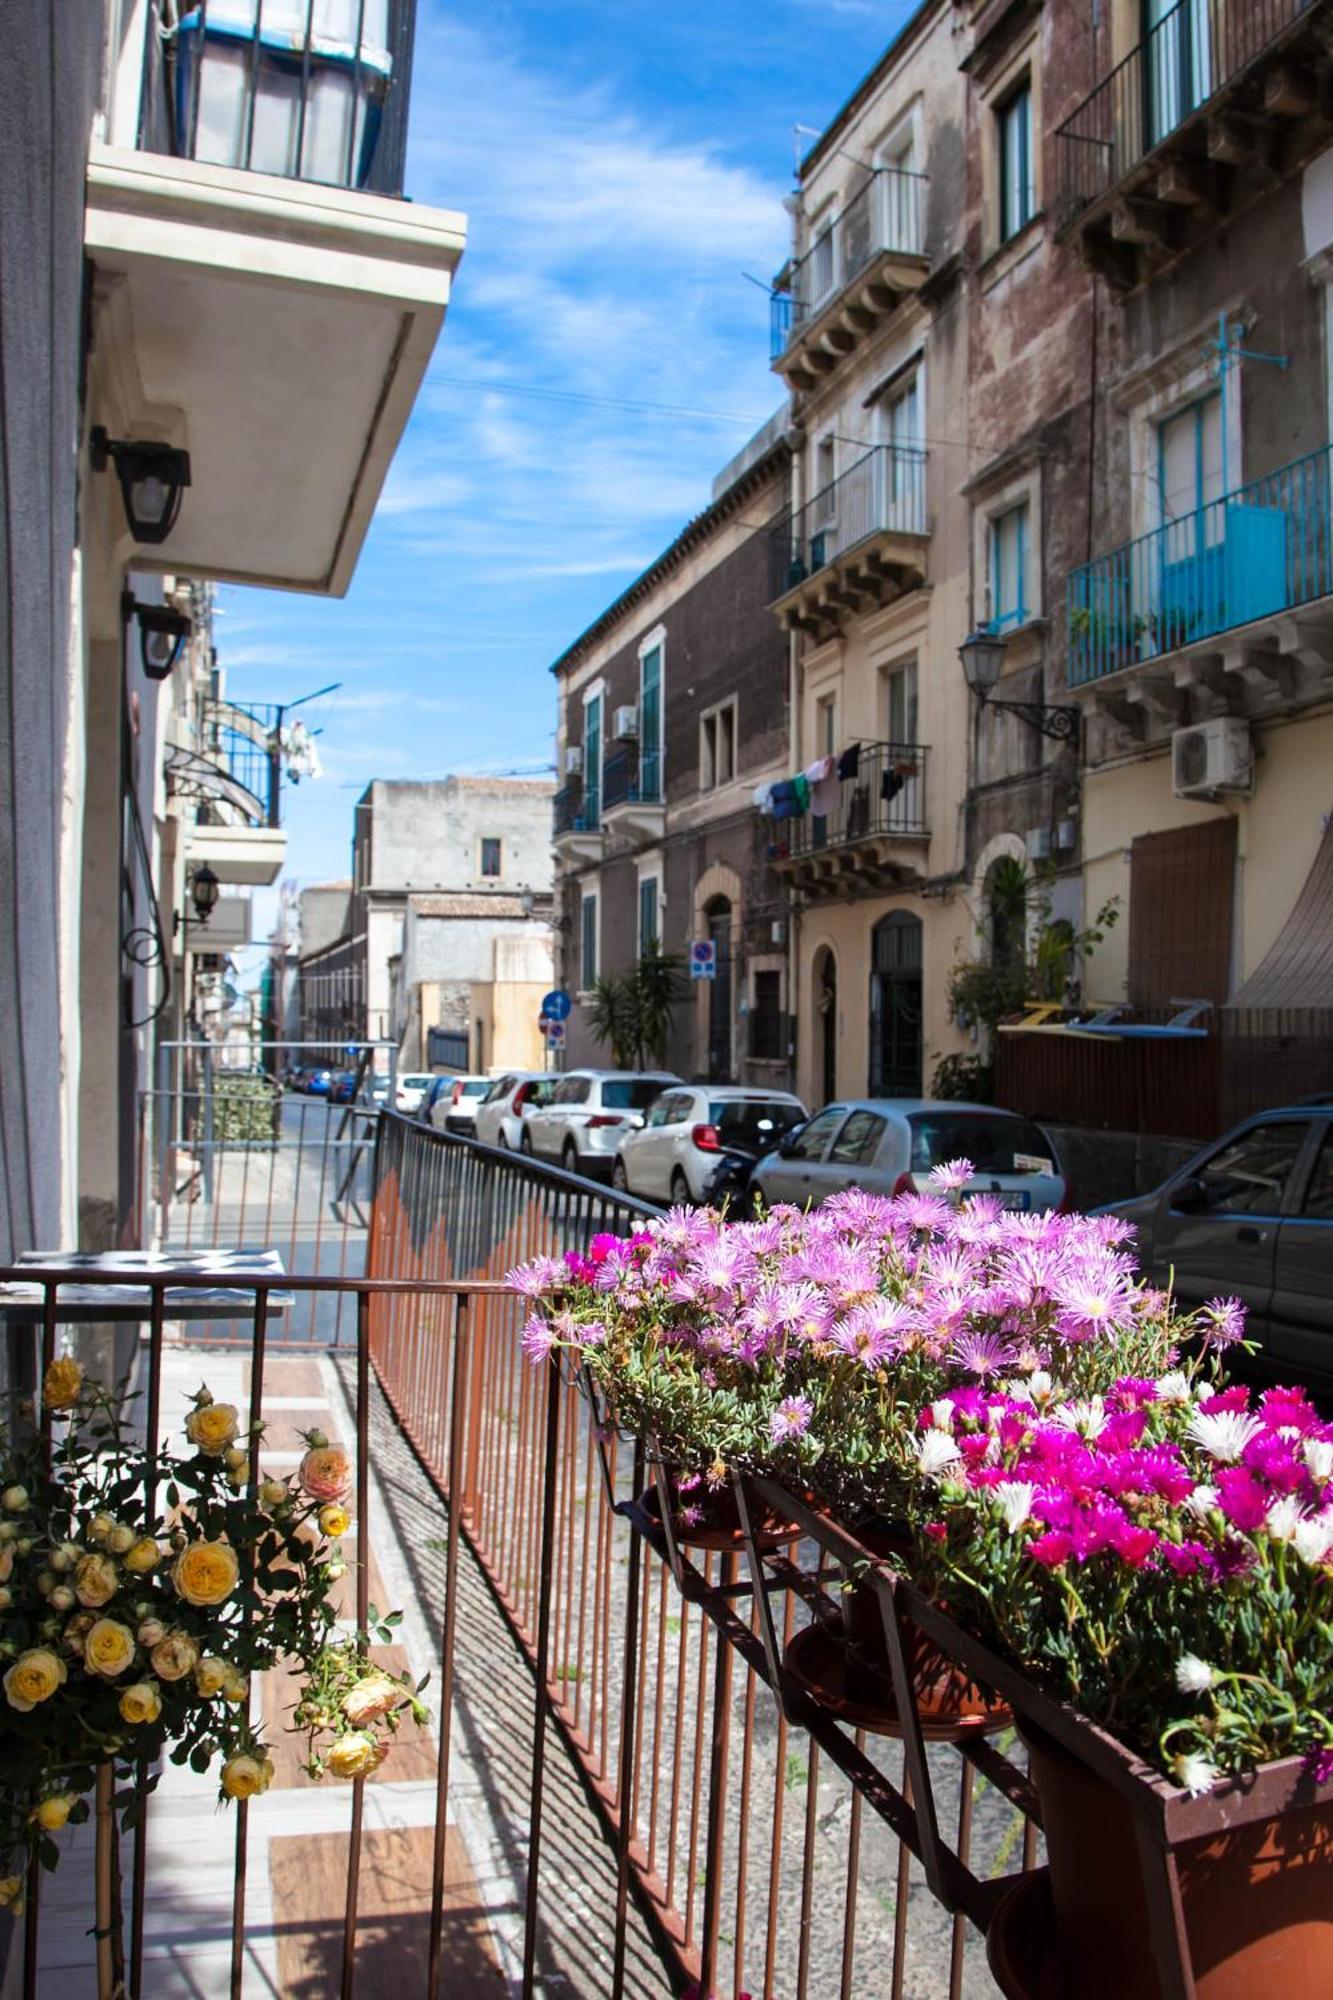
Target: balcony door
{"x": 650, "y": 725}
{"x": 592, "y": 764}
{"x": 896, "y": 1044}
{"x": 1178, "y": 62}
{"x": 718, "y": 919}
{"x": 902, "y": 428}
{"x": 901, "y": 780}
{"x": 1186, "y": 580}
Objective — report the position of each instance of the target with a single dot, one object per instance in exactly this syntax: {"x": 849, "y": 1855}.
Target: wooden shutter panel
{"x": 1181, "y": 887}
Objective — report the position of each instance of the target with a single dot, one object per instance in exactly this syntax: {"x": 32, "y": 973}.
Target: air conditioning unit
{"x": 778, "y": 931}
{"x": 574, "y": 760}
{"x": 1214, "y": 756}
{"x": 626, "y": 724}
{"x": 1038, "y": 843}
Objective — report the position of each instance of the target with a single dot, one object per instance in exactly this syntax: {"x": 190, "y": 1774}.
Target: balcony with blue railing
{"x": 858, "y": 544}
{"x": 577, "y": 821}
{"x": 861, "y": 264}
{"x": 1195, "y": 119}
{"x": 632, "y": 795}
{"x": 1258, "y": 554}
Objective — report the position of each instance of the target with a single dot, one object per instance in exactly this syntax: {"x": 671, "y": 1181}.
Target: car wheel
{"x": 619, "y": 1178}
{"x": 569, "y": 1157}
{"x": 525, "y": 1144}
{"x": 680, "y": 1191}
{"x": 501, "y": 1142}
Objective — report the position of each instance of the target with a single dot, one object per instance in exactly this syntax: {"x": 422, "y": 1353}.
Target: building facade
{"x": 672, "y": 710}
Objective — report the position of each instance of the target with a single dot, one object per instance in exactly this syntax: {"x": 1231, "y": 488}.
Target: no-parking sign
{"x": 703, "y": 959}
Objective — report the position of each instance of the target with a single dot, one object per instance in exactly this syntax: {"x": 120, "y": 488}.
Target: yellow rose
{"x": 9, "y": 1888}
{"x": 239, "y": 1475}
{"x": 213, "y": 1428}
{"x": 121, "y": 1539}
{"x": 175, "y": 1656}
{"x": 144, "y": 1555}
{"x": 244, "y": 1776}
{"x": 62, "y": 1598}
{"x": 76, "y": 1632}
{"x": 6, "y": 1561}
{"x": 150, "y": 1632}
{"x": 100, "y": 1527}
{"x": 334, "y": 1519}
{"x": 206, "y": 1572}
{"x": 34, "y": 1676}
{"x": 236, "y": 1688}
{"x": 14, "y": 1499}
{"x": 95, "y": 1580}
{"x": 325, "y": 1472}
{"x": 52, "y": 1813}
{"x": 355, "y": 1755}
{"x": 210, "y": 1676}
{"x": 272, "y": 1493}
{"x": 141, "y": 1703}
{"x": 108, "y": 1648}
{"x": 64, "y": 1379}
{"x": 370, "y": 1698}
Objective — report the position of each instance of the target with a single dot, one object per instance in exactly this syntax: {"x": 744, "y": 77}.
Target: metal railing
{"x": 576, "y": 809}
{"x": 632, "y": 776}
{"x": 1260, "y": 549}
{"x": 313, "y": 90}
{"x": 240, "y": 737}
{"x": 883, "y": 493}
{"x": 1184, "y": 62}
{"x": 884, "y": 796}
{"x": 885, "y": 215}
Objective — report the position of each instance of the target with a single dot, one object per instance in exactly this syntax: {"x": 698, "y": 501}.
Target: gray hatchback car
{"x": 889, "y": 1146}
{"x": 1251, "y": 1217}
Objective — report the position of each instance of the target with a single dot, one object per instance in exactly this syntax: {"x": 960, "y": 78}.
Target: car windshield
{"x": 995, "y": 1142}
{"x": 631, "y": 1093}
{"x": 413, "y": 1082}
{"x": 756, "y": 1123}
{"x": 476, "y": 1086}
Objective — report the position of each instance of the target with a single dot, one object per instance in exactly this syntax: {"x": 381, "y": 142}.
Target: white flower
{"x": 1014, "y": 1499}
{"x": 1318, "y": 1455}
{"x": 1201, "y": 1502}
{"x": 941, "y": 1413}
{"x": 1193, "y": 1675}
{"x": 1040, "y": 1385}
{"x": 1174, "y": 1388}
{"x": 1194, "y": 1772}
{"x": 1313, "y": 1538}
{"x": 1225, "y": 1434}
{"x": 1087, "y": 1418}
{"x": 936, "y": 1452}
{"x": 1284, "y": 1517}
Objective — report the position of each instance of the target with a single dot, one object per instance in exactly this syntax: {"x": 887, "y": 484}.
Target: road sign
{"x": 703, "y": 959}
{"x": 557, "y": 1006}
{"x": 555, "y": 1034}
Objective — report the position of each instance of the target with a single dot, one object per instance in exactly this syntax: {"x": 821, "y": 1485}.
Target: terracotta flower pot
{"x": 1257, "y": 1899}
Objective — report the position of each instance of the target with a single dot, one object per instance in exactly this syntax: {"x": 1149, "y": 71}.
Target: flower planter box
{"x": 1151, "y": 1893}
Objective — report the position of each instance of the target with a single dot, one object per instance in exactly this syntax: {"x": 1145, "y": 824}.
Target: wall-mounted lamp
{"x": 982, "y": 655}
{"x": 162, "y": 635}
{"x": 152, "y": 478}
{"x": 205, "y": 888}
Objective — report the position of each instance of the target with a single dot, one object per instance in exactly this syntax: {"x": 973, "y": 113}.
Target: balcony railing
{"x": 1261, "y": 549}
{"x": 632, "y": 776}
{"x": 577, "y": 809}
{"x": 883, "y": 493}
{"x": 1185, "y": 61}
{"x": 886, "y": 214}
{"x": 313, "y": 90}
{"x": 885, "y": 796}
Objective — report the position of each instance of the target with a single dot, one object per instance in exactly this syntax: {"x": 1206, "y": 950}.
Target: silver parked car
{"x": 511, "y": 1099}
{"x": 674, "y": 1153}
{"x": 589, "y": 1114}
{"x": 890, "y": 1145}
{"x": 455, "y": 1109}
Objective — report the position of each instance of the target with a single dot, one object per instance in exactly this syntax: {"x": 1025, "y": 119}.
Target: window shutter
{"x": 1181, "y": 890}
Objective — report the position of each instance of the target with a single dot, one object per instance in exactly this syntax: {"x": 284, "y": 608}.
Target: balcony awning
{"x": 191, "y": 775}
{"x": 1298, "y": 968}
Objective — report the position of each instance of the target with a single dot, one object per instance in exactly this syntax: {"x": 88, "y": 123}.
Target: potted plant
{"x": 1159, "y": 1561}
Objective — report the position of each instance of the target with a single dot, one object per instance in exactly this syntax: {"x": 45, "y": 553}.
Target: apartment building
{"x": 672, "y": 711}
{"x": 199, "y": 239}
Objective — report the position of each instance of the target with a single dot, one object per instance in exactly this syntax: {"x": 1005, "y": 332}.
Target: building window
{"x": 900, "y": 705}
{"x": 592, "y": 764}
{"x": 588, "y": 944}
{"x": 717, "y": 747}
{"x": 766, "y": 1037}
{"x": 490, "y": 856}
{"x": 650, "y": 935}
{"x": 650, "y": 724}
{"x": 1018, "y": 193}
{"x": 826, "y": 725}
{"x": 1010, "y": 595}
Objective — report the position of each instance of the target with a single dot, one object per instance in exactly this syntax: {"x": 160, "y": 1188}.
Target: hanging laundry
{"x": 826, "y": 792}
{"x": 763, "y": 798}
{"x": 819, "y": 770}
{"x": 784, "y": 800}
{"x": 890, "y": 784}
{"x": 800, "y": 784}
{"x": 849, "y": 764}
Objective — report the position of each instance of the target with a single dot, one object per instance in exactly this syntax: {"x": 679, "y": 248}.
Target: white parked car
{"x": 673, "y": 1155}
{"x": 589, "y": 1113}
{"x": 511, "y": 1099}
{"x": 409, "y": 1090}
{"x": 890, "y": 1145}
{"x": 455, "y": 1109}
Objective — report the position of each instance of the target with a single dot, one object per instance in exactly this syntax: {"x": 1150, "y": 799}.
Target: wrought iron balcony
{"x": 1261, "y": 550}
{"x": 313, "y": 90}
{"x": 858, "y": 543}
{"x": 632, "y": 776}
{"x": 860, "y": 250}
{"x": 1153, "y": 155}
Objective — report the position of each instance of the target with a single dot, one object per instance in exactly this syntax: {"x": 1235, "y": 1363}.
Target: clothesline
{"x": 816, "y": 789}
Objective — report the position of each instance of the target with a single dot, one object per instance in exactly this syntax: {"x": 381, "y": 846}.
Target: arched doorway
{"x": 895, "y": 1006}
{"x": 1007, "y": 915}
{"x": 826, "y": 1011}
{"x": 717, "y": 916}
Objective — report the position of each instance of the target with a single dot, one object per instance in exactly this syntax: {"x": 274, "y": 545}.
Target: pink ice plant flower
{"x": 791, "y": 1419}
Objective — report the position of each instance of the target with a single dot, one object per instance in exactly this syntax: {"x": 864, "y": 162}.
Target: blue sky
{"x": 622, "y": 164}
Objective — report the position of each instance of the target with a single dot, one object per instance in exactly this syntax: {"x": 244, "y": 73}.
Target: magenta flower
{"x": 1242, "y": 1498}
{"x": 543, "y": 1274}
{"x": 1223, "y": 1323}
{"x": 791, "y": 1419}
{"x": 1051, "y": 1549}
{"x": 539, "y": 1337}
{"x": 951, "y": 1176}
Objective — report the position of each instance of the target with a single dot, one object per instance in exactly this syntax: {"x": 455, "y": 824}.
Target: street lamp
{"x": 982, "y": 655}
{"x": 152, "y": 478}
{"x": 162, "y": 634}
{"x": 204, "y": 892}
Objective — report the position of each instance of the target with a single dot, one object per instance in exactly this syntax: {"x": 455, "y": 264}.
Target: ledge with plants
{"x": 1049, "y": 1506}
